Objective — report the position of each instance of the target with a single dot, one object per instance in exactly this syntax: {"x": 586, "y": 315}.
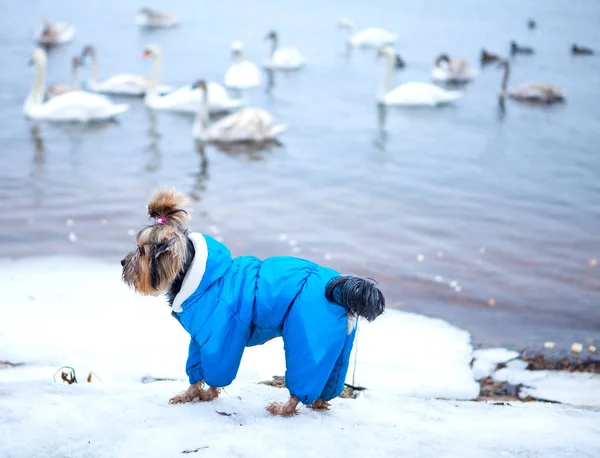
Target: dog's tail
{"x": 357, "y": 295}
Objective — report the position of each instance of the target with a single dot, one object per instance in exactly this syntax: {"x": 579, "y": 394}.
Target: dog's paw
{"x": 179, "y": 399}
{"x": 288, "y": 409}
{"x": 319, "y": 404}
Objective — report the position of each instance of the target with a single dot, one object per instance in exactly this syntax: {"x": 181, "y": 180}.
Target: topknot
{"x": 169, "y": 204}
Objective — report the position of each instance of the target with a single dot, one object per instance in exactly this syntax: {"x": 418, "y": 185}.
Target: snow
{"x": 58, "y": 312}
{"x": 486, "y": 360}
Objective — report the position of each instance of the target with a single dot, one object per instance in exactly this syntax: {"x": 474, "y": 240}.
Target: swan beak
{"x": 145, "y": 54}
{"x": 30, "y": 62}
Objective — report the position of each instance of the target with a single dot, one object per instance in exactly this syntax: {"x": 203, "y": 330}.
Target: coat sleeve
{"x": 193, "y": 367}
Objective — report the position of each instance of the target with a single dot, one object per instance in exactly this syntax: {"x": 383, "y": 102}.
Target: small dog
{"x": 227, "y": 304}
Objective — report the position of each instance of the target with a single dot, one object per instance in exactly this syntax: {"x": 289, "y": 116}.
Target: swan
{"x": 61, "y": 88}
{"x": 71, "y": 106}
{"x": 413, "y": 93}
{"x": 147, "y": 17}
{"x": 581, "y": 50}
{"x": 487, "y": 57}
{"x": 529, "y": 92}
{"x": 242, "y": 73}
{"x": 516, "y": 49}
{"x": 54, "y": 33}
{"x": 249, "y": 125}
{"x": 452, "y": 70}
{"x": 282, "y": 58}
{"x": 371, "y": 37}
{"x": 121, "y": 84}
{"x": 184, "y": 99}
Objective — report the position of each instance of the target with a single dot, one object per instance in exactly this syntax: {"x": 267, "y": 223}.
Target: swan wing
{"x": 248, "y": 124}
{"x": 420, "y": 94}
{"x": 78, "y": 106}
{"x": 536, "y": 92}
{"x": 242, "y": 75}
{"x": 286, "y": 58}
{"x": 124, "y": 83}
{"x": 373, "y": 37}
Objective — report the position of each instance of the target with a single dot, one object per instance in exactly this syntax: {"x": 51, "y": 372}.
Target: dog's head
{"x": 161, "y": 248}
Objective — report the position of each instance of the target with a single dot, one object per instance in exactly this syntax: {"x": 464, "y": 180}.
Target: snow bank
{"x": 69, "y": 312}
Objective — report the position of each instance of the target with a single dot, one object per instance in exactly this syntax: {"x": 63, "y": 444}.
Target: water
{"x": 448, "y": 208}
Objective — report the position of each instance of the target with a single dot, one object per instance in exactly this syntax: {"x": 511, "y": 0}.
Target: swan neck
{"x": 36, "y": 95}
{"x": 273, "y": 46}
{"x": 76, "y": 83}
{"x": 95, "y": 74}
{"x": 201, "y": 120}
{"x": 505, "y": 77}
{"x": 155, "y": 76}
{"x": 387, "y": 76}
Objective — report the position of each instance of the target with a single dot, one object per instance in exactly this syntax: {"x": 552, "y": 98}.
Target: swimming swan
{"x": 413, "y": 93}
{"x": 371, "y": 37}
{"x": 242, "y": 74}
{"x": 72, "y": 106}
{"x": 248, "y": 125}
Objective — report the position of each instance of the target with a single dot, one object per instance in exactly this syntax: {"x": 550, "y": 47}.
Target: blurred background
{"x": 484, "y": 217}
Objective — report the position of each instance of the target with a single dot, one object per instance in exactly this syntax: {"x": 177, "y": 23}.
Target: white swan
{"x": 410, "y": 94}
{"x": 72, "y": 106}
{"x": 121, "y": 84}
{"x": 242, "y": 74}
{"x": 452, "y": 70}
{"x": 185, "y": 99}
{"x": 371, "y": 37}
{"x": 61, "y": 88}
{"x": 249, "y": 125}
{"x": 54, "y": 33}
{"x": 529, "y": 92}
{"x": 282, "y": 58}
{"x": 147, "y": 17}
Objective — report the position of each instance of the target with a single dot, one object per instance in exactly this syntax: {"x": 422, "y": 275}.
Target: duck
{"x": 147, "y": 17}
{"x": 120, "y": 84}
{"x": 184, "y": 99}
{"x": 452, "y": 70}
{"x": 282, "y": 58}
{"x": 248, "y": 125}
{"x": 487, "y": 57}
{"x": 76, "y": 105}
{"x": 531, "y": 24}
{"x": 529, "y": 92}
{"x": 412, "y": 93}
{"x": 61, "y": 88}
{"x": 371, "y": 37}
{"x": 242, "y": 74}
{"x": 516, "y": 49}
{"x": 581, "y": 51}
{"x": 54, "y": 33}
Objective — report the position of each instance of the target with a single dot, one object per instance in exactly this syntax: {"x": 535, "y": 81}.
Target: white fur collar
{"x": 194, "y": 275}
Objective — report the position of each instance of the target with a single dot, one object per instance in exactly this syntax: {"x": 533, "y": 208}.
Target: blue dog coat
{"x": 227, "y": 304}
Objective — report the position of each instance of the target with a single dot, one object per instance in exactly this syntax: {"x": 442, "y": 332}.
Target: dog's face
{"x": 161, "y": 249}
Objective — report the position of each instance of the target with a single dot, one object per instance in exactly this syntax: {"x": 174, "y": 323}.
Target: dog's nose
{"x": 122, "y": 262}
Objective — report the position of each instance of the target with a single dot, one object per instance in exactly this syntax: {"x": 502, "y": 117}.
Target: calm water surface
{"x": 448, "y": 208}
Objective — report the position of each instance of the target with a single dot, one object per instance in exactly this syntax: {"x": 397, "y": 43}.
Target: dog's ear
{"x": 163, "y": 247}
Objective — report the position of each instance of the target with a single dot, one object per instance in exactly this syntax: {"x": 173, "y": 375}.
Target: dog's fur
{"x": 164, "y": 254}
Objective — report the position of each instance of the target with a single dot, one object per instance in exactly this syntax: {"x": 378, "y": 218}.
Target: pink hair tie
{"x": 161, "y": 220}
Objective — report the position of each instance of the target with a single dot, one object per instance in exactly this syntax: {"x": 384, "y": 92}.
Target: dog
{"x": 227, "y": 304}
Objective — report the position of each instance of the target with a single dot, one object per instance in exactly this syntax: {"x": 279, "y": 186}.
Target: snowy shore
{"x": 417, "y": 370}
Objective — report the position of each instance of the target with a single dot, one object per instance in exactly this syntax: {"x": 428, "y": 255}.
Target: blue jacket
{"x": 227, "y": 304}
